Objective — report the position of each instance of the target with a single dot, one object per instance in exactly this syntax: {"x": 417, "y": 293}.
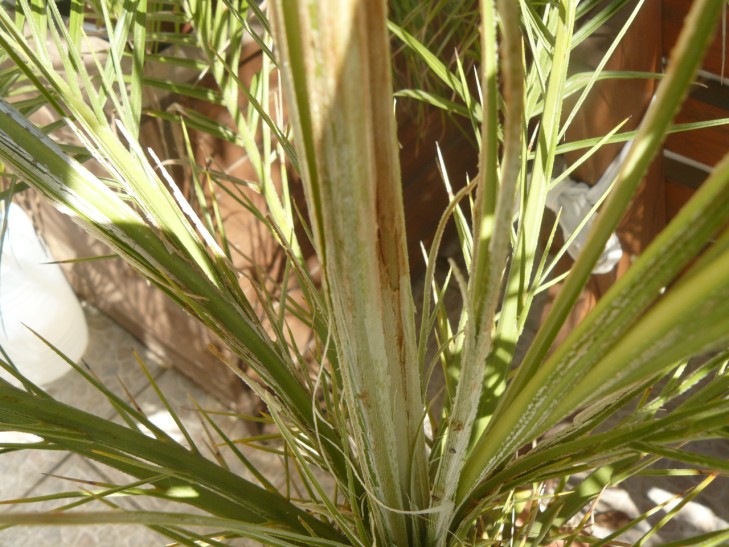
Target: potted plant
{"x": 512, "y": 452}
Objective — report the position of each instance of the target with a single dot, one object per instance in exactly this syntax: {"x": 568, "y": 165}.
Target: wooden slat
{"x": 680, "y": 172}
{"x": 674, "y": 12}
{"x": 706, "y": 146}
{"x": 676, "y": 197}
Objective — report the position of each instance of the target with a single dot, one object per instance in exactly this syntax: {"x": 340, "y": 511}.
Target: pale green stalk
{"x": 511, "y": 179}
{"x": 561, "y": 20}
{"x": 139, "y": 52}
{"x": 338, "y": 80}
{"x": 492, "y": 229}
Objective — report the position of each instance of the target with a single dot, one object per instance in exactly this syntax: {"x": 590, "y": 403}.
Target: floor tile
{"x": 75, "y": 536}
{"x": 109, "y": 356}
{"x": 22, "y": 470}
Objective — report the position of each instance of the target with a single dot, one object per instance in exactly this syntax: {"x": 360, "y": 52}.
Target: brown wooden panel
{"x": 676, "y": 197}
{"x": 424, "y": 192}
{"x": 708, "y": 145}
{"x": 674, "y": 12}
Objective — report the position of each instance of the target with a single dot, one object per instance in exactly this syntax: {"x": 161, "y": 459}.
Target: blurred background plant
{"x": 507, "y": 451}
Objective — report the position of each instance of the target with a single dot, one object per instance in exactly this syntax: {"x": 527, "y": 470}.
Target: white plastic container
{"x": 35, "y": 293}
